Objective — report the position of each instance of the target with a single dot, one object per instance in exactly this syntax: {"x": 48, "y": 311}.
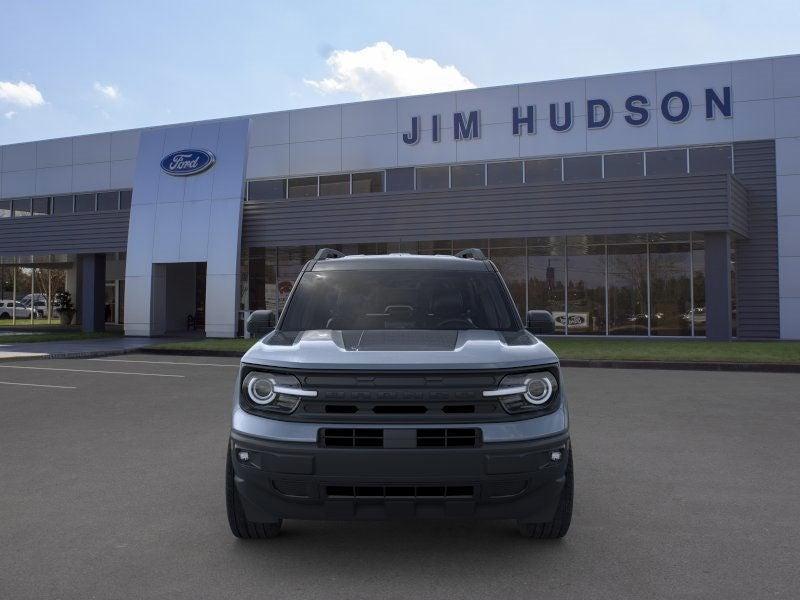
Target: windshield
{"x": 395, "y": 299}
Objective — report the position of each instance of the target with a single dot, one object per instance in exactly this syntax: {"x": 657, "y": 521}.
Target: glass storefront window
{"x": 670, "y": 295}
{"x": 368, "y": 183}
{"x": 125, "y": 197}
{"x": 468, "y": 175}
{"x": 627, "y": 289}
{"x": 504, "y": 173}
{"x": 5, "y": 209}
{"x": 665, "y": 162}
{"x": 628, "y": 164}
{"x": 22, "y": 207}
{"x": 593, "y": 285}
{"x": 699, "y": 284}
{"x": 400, "y": 180}
{"x": 433, "y": 178}
{"x": 108, "y": 201}
{"x": 586, "y": 284}
{"x": 581, "y": 168}
{"x": 546, "y": 277}
{"x": 711, "y": 159}
{"x": 41, "y": 206}
{"x": 334, "y": 185}
{"x": 547, "y": 170}
{"x": 303, "y": 187}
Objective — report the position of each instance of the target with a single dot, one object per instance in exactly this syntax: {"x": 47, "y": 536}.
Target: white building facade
{"x": 654, "y": 203}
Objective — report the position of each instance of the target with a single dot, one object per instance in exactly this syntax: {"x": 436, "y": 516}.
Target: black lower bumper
{"x": 302, "y": 481}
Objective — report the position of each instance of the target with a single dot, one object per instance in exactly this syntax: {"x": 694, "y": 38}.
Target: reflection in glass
{"x": 627, "y": 289}
{"x": 303, "y": 187}
{"x": 586, "y": 283}
{"x": 368, "y": 183}
{"x": 290, "y": 262}
{"x": 670, "y": 296}
{"x": 546, "y": 276}
{"x": 334, "y": 185}
{"x": 699, "y": 285}
{"x": 508, "y": 255}
{"x": 504, "y": 173}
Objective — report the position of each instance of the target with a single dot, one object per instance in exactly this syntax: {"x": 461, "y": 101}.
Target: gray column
{"x": 93, "y": 290}
{"x": 718, "y": 286}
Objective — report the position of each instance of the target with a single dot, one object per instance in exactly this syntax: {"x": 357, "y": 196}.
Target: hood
{"x": 400, "y": 349}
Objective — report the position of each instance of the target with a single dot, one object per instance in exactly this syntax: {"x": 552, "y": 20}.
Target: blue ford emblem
{"x": 187, "y": 162}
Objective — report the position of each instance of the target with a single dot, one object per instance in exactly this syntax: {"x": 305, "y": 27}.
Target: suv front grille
{"x": 433, "y": 492}
{"x": 399, "y": 438}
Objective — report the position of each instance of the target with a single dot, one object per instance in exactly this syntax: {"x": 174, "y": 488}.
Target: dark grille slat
{"x": 392, "y": 491}
{"x": 425, "y": 438}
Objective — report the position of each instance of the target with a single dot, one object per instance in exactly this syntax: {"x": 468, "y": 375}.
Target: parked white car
{"x": 11, "y": 308}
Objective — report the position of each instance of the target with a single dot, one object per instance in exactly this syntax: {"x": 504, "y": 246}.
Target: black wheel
{"x": 558, "y": 527}
{"x": 5, "y": 315}
{"x": 240, "y": 526}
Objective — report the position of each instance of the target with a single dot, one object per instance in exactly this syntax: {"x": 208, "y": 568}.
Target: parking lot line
{"x": 164, "y": 362}
{"x": 61, "y": 387}
{"x": 91, "y": 371}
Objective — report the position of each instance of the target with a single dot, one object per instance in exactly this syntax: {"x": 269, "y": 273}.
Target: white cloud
{"x": 109, "y": 91}
{"x": 10, "y": 114}
{"x": 380, "y": 71}
{"x": 20, "y": 93}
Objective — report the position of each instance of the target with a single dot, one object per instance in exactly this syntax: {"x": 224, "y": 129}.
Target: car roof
{"x": 364, "y": 262}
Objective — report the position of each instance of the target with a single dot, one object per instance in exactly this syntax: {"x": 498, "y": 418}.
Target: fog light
{"x": 243, "y": 456}
{"x": 555, "y": 455}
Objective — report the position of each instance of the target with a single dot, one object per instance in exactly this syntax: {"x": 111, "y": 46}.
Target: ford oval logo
{"x": 187, "y": 162}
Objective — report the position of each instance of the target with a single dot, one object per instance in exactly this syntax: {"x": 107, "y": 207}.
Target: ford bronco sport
{"x": 399, "y": 386}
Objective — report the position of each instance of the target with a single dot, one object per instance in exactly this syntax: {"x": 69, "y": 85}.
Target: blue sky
{"x": 69, "y": 68}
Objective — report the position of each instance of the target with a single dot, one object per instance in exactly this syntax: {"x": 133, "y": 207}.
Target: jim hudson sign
{"x": 674, "y": 106}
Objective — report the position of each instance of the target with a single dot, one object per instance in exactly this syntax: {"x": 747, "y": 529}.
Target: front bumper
{"x": 515, "y": 480}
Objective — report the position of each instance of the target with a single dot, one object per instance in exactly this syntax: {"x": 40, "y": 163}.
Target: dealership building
{"x": 653, "y": 203}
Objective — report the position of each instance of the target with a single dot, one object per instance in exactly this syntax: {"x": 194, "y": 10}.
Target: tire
{"x": 5, "y": 315}
{"x": 240, "y": 526}
{"x": 558, "y": 527}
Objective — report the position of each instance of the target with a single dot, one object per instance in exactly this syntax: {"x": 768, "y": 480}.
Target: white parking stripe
{"x": 90, "y": 371}
{"x": 163, "y": 362}
{"x": 61, "y": 387}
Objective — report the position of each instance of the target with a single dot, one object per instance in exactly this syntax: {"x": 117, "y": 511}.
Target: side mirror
{"x": 260, "y": 323}
{"x": 540, "y": 322}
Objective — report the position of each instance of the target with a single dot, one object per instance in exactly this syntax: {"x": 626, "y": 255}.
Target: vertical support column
{"x": 93, "y": 288}
{"x": 718, "y": 286}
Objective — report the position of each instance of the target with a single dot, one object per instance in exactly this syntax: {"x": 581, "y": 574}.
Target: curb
{"x": 683, "y": 366}
{"x": 217, "y": 353}
{"x": 62, "y": 355}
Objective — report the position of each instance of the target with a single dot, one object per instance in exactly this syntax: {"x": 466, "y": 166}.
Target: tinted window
{"x": 400, "y": 180}
{"x": 22, "y": 207}
{"x": 84, "y": 203}
{"x": 41, "y": 206}
{"x": 108, "y": 201}
{"x": 125, "y": 199}
{"x": 5, "y": 209}
{"x": 710, "y": 160}
{"x": 543, "y": 171}
{"x": 433, "y": 178}
{"x": 468, "y": 175}
{"x": 272, "y": 189}
{"x": 396, "y": 299}
{"x": 334, "y": 185}
{"x": 303, "y": 187}
{"x": 583, "y": 167}
{"x": 504, "y": 173}
{"x": 666, "y": 162}
{"x": 630, "y": 164}
{"x": 62, "y": 205}
{"x": 367, "y": 183}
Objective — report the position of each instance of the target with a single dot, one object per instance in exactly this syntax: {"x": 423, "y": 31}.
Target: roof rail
{"x": 324, "y": 253}
{"x": 472, "y": 253}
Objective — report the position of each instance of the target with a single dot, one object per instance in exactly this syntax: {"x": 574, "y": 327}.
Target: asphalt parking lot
{"x": 111, "y": 486}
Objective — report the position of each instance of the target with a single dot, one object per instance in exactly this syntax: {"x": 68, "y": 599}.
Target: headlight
{"x": 526, "y": 392}
{"x": 272, "y": 392}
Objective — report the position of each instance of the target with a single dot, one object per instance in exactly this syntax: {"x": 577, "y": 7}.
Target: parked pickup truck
{"x": 399, "y": 386}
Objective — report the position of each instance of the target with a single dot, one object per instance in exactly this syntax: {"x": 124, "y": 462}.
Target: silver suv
{"x": 399, "y": 386}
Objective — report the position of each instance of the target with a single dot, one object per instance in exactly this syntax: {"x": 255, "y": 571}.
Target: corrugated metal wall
{"x": 56, "y": 234}
{"x": 757, "y": 257}
{"x": 697, "y": 202}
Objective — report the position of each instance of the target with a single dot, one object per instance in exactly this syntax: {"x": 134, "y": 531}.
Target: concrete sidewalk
{"x": 76, "y": 348}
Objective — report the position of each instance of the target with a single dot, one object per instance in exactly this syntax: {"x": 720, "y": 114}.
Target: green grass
{"x": 676, "y": 350}
{"x": 603, "y": 349}
{"x": 52, "y": 336}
